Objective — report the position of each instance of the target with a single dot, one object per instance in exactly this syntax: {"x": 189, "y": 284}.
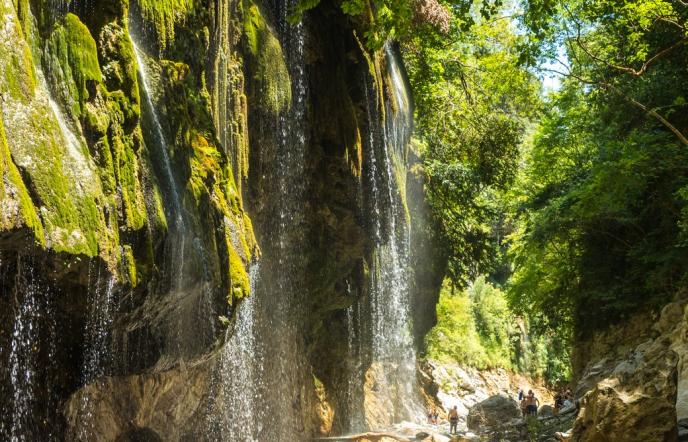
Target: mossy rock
{"x": 72, "y": 61}
{"x": 271, "y": 81}
{"x": 16, "y": 208}
{"x": 164, "y": 15}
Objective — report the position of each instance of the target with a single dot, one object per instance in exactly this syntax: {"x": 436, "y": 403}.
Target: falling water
{"x": 392, "y": 357}
{"x": 280, "y": 288}
{"x": 161, "y": 142}
{"x": 97, "y": 346}
{"x": 32, "y": 401}
{"x": 186, "y": 258}
{"x": 98, "y": 327}
{"x": 264, "y": 365}
{"x": 240, "y": 372}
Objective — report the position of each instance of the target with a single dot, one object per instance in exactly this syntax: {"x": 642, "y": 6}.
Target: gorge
{"x": 293, "y": 220}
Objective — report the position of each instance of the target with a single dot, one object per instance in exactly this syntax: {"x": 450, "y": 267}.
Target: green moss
{"x": 240, "y": 284}
{"x": 12, "y": 188}
{"x": 73, "y": 62}
{"x": 270, "y": 74}
{"x": 129, "y": 265}
{"x": 17, "y": 73}
{"x": 127, "y": 177}
{"x": 164, "y": 15}
{"x": 204, "y": 161}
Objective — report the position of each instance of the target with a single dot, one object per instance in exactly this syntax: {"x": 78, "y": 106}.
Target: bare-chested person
{"x": 453, "y": 417}
{"x": 532, "y": 403}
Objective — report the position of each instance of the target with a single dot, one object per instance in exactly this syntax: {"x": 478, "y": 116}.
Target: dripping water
{"x": 265, "y": 399}
{"x": 387, "y": 315}
{"x": 33, "y": 339}
{"x": 240, "y": 373}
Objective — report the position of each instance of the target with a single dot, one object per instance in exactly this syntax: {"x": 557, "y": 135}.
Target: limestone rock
{"x": 679, "y": 343}
{"x": 492, "y": 412}
{"x": 636, "y": 401}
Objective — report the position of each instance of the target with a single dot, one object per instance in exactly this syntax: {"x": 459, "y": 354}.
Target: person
{"x": 435, "y": 417}
{"x": 429, "y": 415}
{"x": 523, "y": 405}
{"x": 520, "y": 394}
{"x": 453, "y": 420}
{"x": 532, "y": 404}
{"x": 558, "y": 402}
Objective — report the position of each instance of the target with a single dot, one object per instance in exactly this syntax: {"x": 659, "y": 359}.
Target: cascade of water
{"x": 98, "y": 327}
{"x": 171, "y": 182}
{"x": 239, "y": 376}
{"x": 32, "y": 400}
{"x": 388, "y": 319}
{"x": 355, "y": 350}
{"x": 97, "y": 345}
{"x": 264, "y": 375}
{"x": 190, "y": 276}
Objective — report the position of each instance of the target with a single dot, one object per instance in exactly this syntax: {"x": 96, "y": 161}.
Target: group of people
{"x": 529, "y": 403}
{"x": 563, "y": 400}
{"x": 433, "y": 416}
{"x": 452, "y": 417}
{"x": 529, "y": 407}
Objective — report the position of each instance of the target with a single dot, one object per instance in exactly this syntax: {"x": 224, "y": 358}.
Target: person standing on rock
{"x": 532, "y": 404}
{"x": 453, "y": 420}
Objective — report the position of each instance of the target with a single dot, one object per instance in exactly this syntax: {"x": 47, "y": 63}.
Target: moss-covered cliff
{"x": 142, "y": 144}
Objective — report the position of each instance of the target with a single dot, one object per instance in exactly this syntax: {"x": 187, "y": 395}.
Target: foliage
{"x": 473, "y": 104}
{"x": 455, "y": 337}
{"x": 493, "y": 320}
{"x": 600, "y": 204}
{"x": 477, "y": 328}
{"x": 429, "y": 20}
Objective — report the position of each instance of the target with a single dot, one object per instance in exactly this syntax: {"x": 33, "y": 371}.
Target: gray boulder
{"x": 493, "y": 411}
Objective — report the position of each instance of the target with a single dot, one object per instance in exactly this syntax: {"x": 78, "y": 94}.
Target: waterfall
{"x": 161, "y": 143}
{"x": 240, "y": 373}
{"x": 186, "y": 262}
{"x": 264, "y": 369}
{"x": 97, "y": 339}
{"x": 32, "y": 400}
{"x": 387, "y": 317}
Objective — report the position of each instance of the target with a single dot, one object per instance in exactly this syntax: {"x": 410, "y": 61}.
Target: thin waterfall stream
{"x": 387, "y": 315}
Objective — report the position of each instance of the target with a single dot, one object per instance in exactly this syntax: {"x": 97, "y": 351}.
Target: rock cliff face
{"x": 637, "y": 391}
{"x": 152, "y": 152}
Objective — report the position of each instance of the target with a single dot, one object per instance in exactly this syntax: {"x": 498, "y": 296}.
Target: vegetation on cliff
{"x": 600, "y": 206}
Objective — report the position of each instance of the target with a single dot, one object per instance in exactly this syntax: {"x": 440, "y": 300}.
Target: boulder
{"x": 492, "y": 412}
{"x": 546, "y": 411}
{"x": 683, "y": 430}
{"x": 636, "y": 402}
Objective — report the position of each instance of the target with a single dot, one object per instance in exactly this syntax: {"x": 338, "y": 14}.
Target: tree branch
{"x": 631, "y": 100}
